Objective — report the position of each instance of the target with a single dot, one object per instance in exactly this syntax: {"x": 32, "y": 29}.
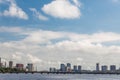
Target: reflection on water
{"x": 58, "y": 77}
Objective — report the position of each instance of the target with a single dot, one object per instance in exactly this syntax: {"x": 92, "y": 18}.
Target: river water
{"x": 58, "y": 77}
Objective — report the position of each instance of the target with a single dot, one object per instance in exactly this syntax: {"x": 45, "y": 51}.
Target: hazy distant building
{"x": 68, "y": 67}
{"x": 53, "y": 70}
{"x": 104, "y": 68}
{"x": 62, "y": 67}
{"x": 10, "y": 64}
{"x": 75, "y": 68}
{"x": 112, "y": 68}
{"x": 97, "y": 67}
{"x": 79, "y": 68}
{"x": 0, "y": 59}
{"x": 0, "y": 62}
{"x": 19, "y": 66}
{"x": 50, "y": 69}
{"x": 5, "y": 65}
{"x": 30, "y": 67}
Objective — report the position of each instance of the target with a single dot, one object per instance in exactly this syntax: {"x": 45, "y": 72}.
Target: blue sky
{"x": 95, "y": 16}
{"x": 50, "y": 32}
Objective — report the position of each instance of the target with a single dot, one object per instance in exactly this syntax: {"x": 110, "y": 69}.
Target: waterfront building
{"x": 0, "y": 62}
{"x": 30, "y": 67}
{"x": 104, "y": 68}
{"x": 68, "y": 67}
{"x": 50, "y": 69}
{"x": 53, "y": 70}
{"x": 0, "y": 59}
{"x": 79, "y": 68}
{"x": 97, "y": 67}
{"x": 5, "y": 65}
{"x": 75, "y": 68}
{"x": 112, "y": 67}
{"x": 19, "y": 66}
{"x": 62, "y": 67}
{"x": 10, "y": 64}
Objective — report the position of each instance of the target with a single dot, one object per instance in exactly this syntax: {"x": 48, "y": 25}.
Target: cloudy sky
{"x": 50, "y": 32}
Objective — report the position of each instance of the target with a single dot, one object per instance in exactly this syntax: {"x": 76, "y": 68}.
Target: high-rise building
{"x": 75, "y": 68}
{"x": 104, "y": 68}
{"x": 10, "y": 64}
{"x": 62, "y": 67}
{"x": 68, "y": 67}
{"x": 53, "y": 70}
{"x": 19, "y": 66}
{"x": 79, "y": 68}
{"x": 5, "y": 64}
{"x": 30, "y": 67}
{"x": 112, "y": 68}
{"x": 97, "y": 67}
{"x": 0, "y": 62}
{"x": 0, "y": 59}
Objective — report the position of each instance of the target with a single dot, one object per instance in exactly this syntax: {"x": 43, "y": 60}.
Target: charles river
{"x": 37, "y": 76}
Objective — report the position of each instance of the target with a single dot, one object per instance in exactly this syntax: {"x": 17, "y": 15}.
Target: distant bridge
{"x": 47, "y": 72}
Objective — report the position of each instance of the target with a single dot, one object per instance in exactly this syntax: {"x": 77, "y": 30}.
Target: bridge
{"x": 47, "y": 72}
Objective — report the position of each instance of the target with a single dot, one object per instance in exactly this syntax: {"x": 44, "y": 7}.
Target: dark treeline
{"x": 10, "y": 70}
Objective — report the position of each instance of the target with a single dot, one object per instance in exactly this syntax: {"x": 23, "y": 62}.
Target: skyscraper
{"x": 68, "y": 67}
{"x": 5, "y": 64}
{"x": 19, "y": 66}
{"x": 75, "y": 68}
{"x": 97, "y": 67}
{"x": 0, "y": 62}
{"x": 62, "y": 67}
{"x": 112, "y": 68}
{"x": 10, "y": 64}
{"x": 104, "y": 68}
{"x": 79, "y": 68}
{"x": 30, "y": 67}
{"x": 0, "y": 59}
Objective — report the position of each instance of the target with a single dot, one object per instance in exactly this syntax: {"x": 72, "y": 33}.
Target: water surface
{"x": 58, "y": 77}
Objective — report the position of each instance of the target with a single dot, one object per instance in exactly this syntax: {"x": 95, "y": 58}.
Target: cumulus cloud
{"x": 63, "y": 9}
{"x": 50, "y": 48}
{"x": 14, "y": 11}
{"x": 38, "y": 14}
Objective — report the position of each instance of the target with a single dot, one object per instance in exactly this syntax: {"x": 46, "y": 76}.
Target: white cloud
{"x": 34, "y": 59}
{"x": 77, "y": 3}
{"x": 41, "y": 36}
{"x": 41, "y": 47}
{"x": 62, "y": 9}
{"x": 38, "y": 14}
{"x": 17, "y": 56}
{"x": 14, "y": 11}
{"x": 10, "y": 29}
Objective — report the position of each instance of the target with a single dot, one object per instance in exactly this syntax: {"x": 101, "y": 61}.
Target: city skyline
{"x": 16, "y": 66}
{"x": 68, "y": 67}
{"x": 50, "y": 32}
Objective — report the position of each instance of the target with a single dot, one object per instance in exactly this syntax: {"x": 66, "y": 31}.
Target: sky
{"x": 50, "y": 32}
